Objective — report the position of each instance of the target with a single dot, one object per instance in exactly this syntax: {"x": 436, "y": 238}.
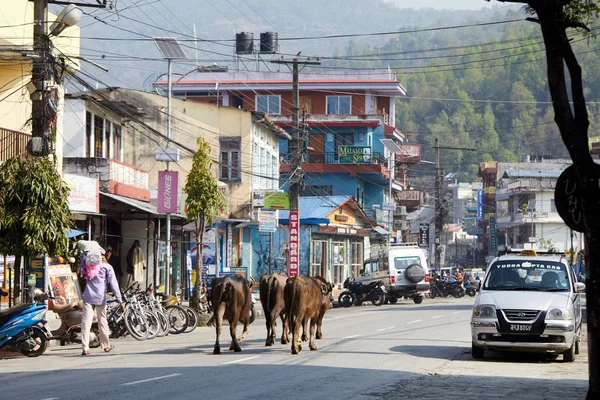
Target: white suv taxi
{"x": 528, "y": 302}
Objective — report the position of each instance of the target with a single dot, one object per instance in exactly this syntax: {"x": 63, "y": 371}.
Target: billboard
{"x": 294, "y": 255}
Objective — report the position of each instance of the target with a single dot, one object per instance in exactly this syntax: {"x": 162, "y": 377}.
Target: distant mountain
{"x": 132, "y": 57}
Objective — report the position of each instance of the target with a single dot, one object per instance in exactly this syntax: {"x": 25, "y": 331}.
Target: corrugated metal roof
{"x": 525, "y": 173}
{"x": 316, "y": 207}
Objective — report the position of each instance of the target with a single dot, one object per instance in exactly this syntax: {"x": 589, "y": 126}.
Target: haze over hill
{"x": 447, "y": 4}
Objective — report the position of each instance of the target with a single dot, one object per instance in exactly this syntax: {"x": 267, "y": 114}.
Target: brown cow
{"x": 271, "y": 297}
{"x": 326, "y": 305}
{"x": 231, "y": 299}
{"x": 304, "y": 301}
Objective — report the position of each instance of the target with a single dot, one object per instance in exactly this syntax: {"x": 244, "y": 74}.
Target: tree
{"x": 34, "y": 211}
{"x": 204, "y": 200}
{"x": 555, "y": 17}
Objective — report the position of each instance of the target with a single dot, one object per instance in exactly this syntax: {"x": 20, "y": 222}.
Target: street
{"x": 393, "y": 351}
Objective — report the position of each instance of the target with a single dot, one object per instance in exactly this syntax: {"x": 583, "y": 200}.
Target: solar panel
{"x": 391, "y": 146}
{"x": 169, "y": 48}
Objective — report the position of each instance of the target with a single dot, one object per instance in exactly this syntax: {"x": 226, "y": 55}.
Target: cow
{"x": 305, "y": 299}
{"x": 231, "y": 299}
{"x": 273, "y": 304}
{"x": 326, "y": 305}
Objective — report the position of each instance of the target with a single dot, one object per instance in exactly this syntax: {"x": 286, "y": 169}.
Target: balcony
{"x": 505, "y": 190}
{"x": 12, "y": 144}
{"x": 114, "y": 176}
{"x": 337, "y": 158}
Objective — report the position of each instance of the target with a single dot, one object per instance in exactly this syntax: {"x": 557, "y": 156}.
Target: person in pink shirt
{"x": 99, "y": 275}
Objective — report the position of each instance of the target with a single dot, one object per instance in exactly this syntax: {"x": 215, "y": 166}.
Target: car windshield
{"x": 403, "y": 262}
{"x": 544, "y": 276}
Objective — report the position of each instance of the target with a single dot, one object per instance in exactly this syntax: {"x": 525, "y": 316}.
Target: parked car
{"x": 528, "y": 302}
{"x": 403, "y": 269}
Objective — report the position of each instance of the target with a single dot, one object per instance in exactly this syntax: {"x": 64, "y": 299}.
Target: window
{"x": 342, "y": 139}
{"x": 274, "y": 172}
{"x": 339, "y": 105}
{"x": 98, "y": 135}
{"x": 109, "y": 125}
{"x": 230, "y": 159}
{"x": 356, "y": 257}
{"x": 269, "y": 104}
{"x": 88, "y": 133}
{"x": 318, "y": 190}
{"x": 117, "y": 142}
{"x": 553, "y": 206}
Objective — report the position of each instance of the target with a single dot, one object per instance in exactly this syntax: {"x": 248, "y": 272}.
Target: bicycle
{"x": 174, "y": 303}
{"x": 130, "y": 321}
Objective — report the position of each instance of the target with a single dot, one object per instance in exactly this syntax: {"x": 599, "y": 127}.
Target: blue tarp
{"x": 75, "y": 232}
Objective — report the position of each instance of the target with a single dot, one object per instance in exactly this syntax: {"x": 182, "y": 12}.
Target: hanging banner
{"x": 493, "y": 244}
{"x": 294, "y": 255}
{"x": 168, "y": 192}
{"x": 423, "y": 235}
{"x": 480, "y": 205}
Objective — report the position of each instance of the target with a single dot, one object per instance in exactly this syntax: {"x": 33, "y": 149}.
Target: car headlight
{"x": 560, "y": 314}
{"x": 484, "y": 311}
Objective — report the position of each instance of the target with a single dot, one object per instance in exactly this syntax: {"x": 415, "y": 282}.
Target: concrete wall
{"x": 74, "y": 128}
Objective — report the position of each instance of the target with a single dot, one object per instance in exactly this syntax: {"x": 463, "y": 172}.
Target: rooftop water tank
{"x": 268, "y": 43}
{"x": 244, "y": 43}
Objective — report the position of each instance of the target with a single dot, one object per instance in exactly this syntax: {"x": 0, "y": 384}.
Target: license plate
{"x": 520, "y": 328}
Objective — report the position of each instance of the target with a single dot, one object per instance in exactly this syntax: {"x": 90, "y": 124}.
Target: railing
{"x": 128, "y": 175}
{"x": 334, "y": 158}
{"x": 12, "y": 144}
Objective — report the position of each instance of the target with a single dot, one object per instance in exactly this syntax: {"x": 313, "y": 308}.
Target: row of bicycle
{"x": 148, "y": 315}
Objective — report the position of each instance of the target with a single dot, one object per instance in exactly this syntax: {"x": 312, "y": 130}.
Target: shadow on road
{"x": 240, "y": 377}
{"x": 430, "y": 307}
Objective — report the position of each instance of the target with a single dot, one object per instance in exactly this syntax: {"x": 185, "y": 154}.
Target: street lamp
{"x": 392, "y": 148}
{"x": 170, "y": 50}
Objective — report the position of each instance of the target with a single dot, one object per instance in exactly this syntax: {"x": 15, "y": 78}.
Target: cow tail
{"x": 290, "y": 311}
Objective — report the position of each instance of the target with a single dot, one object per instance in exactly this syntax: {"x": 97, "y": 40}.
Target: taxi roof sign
{"x": 528, "y": 253}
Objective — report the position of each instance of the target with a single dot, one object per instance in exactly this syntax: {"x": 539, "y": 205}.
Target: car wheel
{"x": 477, "y": 352}
{"x": 392, "y": 300}
{"x": 569, "y": 355}
{"x": 577, "y": 340}
{"x": 252, "y": 314}
{"x": 418, "y": 299}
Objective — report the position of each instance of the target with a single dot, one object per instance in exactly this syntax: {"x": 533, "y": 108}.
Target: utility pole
{"x": 295, "y": 161}
{"x": 440, "y": 211}
{"x": 42, "y": 76}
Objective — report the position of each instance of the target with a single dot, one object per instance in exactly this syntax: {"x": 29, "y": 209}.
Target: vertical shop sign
{"x": 480, "y": 214}
{"x": 294, "y": 255}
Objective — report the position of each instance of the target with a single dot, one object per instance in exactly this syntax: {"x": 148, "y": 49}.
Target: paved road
{"x": 393, "y": 351}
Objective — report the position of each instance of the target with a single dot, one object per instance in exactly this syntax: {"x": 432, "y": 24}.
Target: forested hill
{"x": 473, "y": 85}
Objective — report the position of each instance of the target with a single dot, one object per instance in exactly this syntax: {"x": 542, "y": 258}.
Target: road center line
{"x": 149, "y": 380}
{"x": 351, "y": 337}
{"x": 385, "y": 329}
{"x": 414, "y": 322}
{"x": 240, "y": 360}
{"x": 437, "y": 316}
{"x": 456, "y": 312}
{"x": 52, "y": 398}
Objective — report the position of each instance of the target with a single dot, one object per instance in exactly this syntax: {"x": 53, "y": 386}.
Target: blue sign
{"x": 493, "y": 244}
{"x": 480, "y": 205}
{"x": 474, "y": 230}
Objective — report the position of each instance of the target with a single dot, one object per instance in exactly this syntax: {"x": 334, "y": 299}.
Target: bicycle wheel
{"x": 153, "y": 324}
{"x": 178, "y": 318}
{"x": 136, "y": 324}
{"x": 192, "y": 319}
{"x": 163, "y": 318}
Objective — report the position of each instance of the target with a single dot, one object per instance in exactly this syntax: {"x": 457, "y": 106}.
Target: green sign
{"x": 354, "y": 154}
{"x": 277, "y": 200}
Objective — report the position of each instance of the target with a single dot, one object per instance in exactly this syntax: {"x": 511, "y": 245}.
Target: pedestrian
{"x": 135, "y": 264}
{"x": 114, "y": 262}
{"x": 98, "y": 275}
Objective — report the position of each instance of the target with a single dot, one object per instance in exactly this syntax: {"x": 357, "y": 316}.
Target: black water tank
{"x": 268, "y": 42}
{"x": 244, "y": 43}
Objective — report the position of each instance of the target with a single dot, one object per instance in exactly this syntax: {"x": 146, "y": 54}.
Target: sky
{"x": 447, "y": 4}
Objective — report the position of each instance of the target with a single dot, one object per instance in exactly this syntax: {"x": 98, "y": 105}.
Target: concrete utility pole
{"x": 295, "y": 148}
{"x": 439, "y": 215}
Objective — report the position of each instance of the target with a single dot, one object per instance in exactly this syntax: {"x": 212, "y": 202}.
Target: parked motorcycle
{"x": 442, "y": 288}
{"x": 22, "y": 328}
{"x": 358, "y": 293}
{"x": 70, "y": 325}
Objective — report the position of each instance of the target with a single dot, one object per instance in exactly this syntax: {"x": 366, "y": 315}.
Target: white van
{"x": 403, "y": 270}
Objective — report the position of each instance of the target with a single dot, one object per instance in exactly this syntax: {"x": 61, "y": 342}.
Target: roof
{"x": 383, "y": 81}
{"x": 316, "y": 207}
{"x": 138, "y": 204}
{"x": 524, "y": 173}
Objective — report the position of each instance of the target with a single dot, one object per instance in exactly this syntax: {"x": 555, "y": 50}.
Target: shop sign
{"x": 277, "y": 200}
{"x": 84, "y": 195}
{"x": 168, "y": 192}
{"x": 294, "y": 255}
{"x": 354, "y": 154}
{"x": 267, "y": 220}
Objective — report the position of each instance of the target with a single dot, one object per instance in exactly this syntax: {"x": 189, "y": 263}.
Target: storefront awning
{"x": 138, "y": 205}
{"x": 380, "y": 230}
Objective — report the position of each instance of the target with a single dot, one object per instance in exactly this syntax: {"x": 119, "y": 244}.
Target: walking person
{"x": 98, "y": 274}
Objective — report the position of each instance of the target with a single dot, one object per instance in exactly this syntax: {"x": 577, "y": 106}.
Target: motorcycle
{"x": 470, "y": 289}
{"x": 358, "y": 293}
{"x": 70, "y": 325}
{"x": 22, "y": 328}
{"x": 441, "y": 288}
